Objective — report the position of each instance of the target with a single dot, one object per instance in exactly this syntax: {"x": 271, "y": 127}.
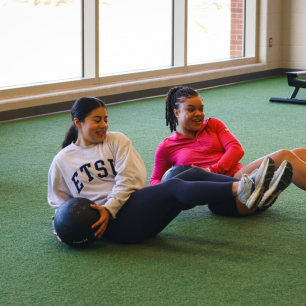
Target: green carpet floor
{"x": 199, "y": 259}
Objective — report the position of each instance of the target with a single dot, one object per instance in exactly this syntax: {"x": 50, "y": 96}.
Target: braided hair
{"x": 176, "y": 95}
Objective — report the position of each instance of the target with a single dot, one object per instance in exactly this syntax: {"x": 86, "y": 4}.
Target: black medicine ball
{"x": 173, "y": 172}
{"x": 73, "y": 221}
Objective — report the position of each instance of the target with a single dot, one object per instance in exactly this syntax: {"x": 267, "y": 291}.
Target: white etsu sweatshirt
{"x": 106, "y": 173}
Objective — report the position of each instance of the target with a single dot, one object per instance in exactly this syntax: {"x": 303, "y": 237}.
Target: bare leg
{"x": 235, "y": 188}
{"x": 300, "y": 153}
{"x": 296, "y": 157}
{"x": 242, "y": 209}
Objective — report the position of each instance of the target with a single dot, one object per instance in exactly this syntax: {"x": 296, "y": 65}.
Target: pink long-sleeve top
{"x": 215, "y": 147}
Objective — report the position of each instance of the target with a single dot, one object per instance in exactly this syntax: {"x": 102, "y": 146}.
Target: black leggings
{"x": 149, "y": 210}
{"x": 225, "y": 208}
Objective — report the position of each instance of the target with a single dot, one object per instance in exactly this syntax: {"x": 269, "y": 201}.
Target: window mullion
{"x": 91, "y": 39}
{"x": 180, "y": 33}
{"x": 250, "y": 28}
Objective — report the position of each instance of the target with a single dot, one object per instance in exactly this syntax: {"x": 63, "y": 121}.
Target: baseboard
{"x": 140, "y": 94}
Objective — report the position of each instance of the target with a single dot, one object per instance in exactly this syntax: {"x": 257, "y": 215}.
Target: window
{"x": 215, "y": 30}
{"x": 41, "y": 41}
{"x": 62, "y": 44}
{"x": 134, "y": 35}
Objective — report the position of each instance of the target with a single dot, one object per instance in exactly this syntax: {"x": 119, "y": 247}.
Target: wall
{"x": 237, "y": 28}
{"x": 270, "y": 26}
{"x": 294, "y": 34}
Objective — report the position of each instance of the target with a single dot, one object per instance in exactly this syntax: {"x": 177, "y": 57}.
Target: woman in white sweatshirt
{"x": 104, "y": 167}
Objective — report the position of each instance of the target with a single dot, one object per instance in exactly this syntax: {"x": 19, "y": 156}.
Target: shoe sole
{"x": 263, "y": 186}
{"x": 283, "y": 183}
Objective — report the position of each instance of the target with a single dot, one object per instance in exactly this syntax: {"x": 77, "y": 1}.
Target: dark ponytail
{"x": 71, "y": 136}
{"x": 176, "y": 95}
{"x": 80, "y": 109}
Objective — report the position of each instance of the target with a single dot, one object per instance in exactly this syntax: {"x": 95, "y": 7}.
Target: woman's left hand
{"x": 103, "y": 221}
{"x": 55, "y": 233}
{"x": 206, "y": 169}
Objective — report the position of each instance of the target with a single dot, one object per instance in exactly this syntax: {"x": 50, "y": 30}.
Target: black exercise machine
{"x": 297, "y": 84}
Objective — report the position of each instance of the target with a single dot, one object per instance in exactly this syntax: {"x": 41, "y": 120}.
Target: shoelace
{"x": 249, "y": 176}
{"x": 246, "y": 178}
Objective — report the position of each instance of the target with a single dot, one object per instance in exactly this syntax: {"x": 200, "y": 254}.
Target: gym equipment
{"x": 172, "y": 172}
{"x": 297, "y": 84}
{"x": 73, "y": 221}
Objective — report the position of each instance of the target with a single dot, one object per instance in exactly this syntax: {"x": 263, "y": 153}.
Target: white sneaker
{"x": 257, "y": 183}
{"x": 280, "y": 181}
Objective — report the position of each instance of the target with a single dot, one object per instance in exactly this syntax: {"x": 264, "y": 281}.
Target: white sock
{"x": 240, "y": 189}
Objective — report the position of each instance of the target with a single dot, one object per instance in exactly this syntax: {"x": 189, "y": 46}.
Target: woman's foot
{"x": 253, "y": 186}
{"x": 280, "y": 181}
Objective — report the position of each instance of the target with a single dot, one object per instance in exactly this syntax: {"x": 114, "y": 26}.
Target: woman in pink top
{"x": 210, "y": 145}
